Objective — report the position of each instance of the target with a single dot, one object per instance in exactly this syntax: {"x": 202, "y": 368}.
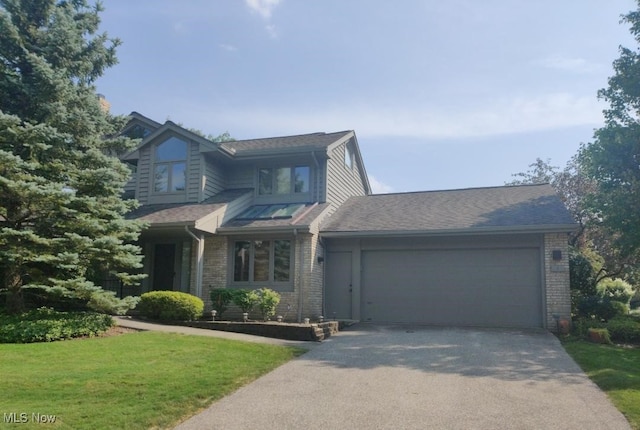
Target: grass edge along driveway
{"x": 130, "y": 381}
{"x": 616, "y": 370}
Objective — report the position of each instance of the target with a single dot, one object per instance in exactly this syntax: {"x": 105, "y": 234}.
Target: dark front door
{"x": 164, "y": 261}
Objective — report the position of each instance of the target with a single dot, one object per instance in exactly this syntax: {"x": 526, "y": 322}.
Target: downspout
{"x": 199, "y": 260}
{"x": 300, "y": 274}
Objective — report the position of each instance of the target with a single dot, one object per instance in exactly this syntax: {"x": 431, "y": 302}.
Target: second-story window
{"x": 169, "y": 173}
{"x": 283, "y": 180}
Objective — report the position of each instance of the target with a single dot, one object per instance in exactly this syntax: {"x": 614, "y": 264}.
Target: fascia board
{"x": 560, "y": 228}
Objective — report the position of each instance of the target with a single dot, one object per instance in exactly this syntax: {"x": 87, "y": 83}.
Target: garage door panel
{"x": 479, "y": 287}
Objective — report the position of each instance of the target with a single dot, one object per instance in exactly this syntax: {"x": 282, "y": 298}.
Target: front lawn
{"x": 130, "y": 381}
{"x": 615, "y": 370}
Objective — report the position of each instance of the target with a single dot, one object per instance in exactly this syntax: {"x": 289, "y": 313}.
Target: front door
{"x": 164, "y": 261}
{"x": 338, "y": 285}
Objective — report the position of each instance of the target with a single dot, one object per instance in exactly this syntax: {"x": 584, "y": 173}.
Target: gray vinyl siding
{"x": 342, "y": 181}
{"x": 240, "y": 176}
{"x": 144, "y": 173}
{"x": 193, "y": 175}
{"x": 132, "y": 184}
{"x": 214, "y": 179}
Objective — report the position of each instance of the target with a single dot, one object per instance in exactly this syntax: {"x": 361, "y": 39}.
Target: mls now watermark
{"x": 24, "y": 417}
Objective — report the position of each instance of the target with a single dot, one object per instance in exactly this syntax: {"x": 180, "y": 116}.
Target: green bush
{"x": 615, "y": 289}
{"x": 170, "y": 306}
{"x": 220, "y": 299}
{"x": 267, "y": 302}
{"x": 246, "y": 300}
{"x": 601, "y": 308}
{"x": 624, "y": 330}
{"x": 46, "y": 325}
{"x": 599, "y": 335}
{"x": 106, "y": 302}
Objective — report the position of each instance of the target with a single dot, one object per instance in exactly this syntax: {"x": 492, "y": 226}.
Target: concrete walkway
{"x": 373, "y": 377}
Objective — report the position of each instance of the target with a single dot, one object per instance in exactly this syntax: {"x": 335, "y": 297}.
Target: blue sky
{"x": 441, "y": 94}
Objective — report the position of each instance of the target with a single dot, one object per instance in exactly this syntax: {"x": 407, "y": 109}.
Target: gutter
{"x": 562, "y": 228}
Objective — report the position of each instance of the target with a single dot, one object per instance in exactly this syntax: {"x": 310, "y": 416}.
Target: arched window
{"x": 169, "y": 174}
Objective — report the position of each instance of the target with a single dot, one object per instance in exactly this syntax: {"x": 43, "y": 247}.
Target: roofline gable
{"x": 175, "y": 128}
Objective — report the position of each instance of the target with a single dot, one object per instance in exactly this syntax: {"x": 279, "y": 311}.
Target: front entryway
{"x": 164, "y": 260}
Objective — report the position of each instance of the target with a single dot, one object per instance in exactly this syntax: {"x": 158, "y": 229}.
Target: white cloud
{"x": 264, "y": 8}
{"x": 226, "y": 47}
{"x": 378, "y": 187}
{"x": 485, "y": 118}
{"x": 576, "y": 65}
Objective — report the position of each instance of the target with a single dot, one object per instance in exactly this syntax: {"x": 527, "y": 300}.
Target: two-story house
{"x": 296, "y": 214}
{"x": 239, "y": 213}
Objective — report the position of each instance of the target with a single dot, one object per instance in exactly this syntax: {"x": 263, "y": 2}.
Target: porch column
{"x": 199, "y": 259}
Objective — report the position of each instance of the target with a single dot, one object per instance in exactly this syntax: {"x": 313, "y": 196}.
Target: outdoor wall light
{"x": 320, "y": 259}
{"x": 556, "y": 255}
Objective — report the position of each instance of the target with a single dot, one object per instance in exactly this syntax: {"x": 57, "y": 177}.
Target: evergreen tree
{"x": 61, "y": 213}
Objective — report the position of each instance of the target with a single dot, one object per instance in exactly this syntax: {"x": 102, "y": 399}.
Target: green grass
{"x": 132, "y": 381}
{"x": 615, "y": 370}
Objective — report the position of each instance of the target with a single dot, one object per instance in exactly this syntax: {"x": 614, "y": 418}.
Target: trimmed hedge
{"x": 624, "y": 329}
{"x": 46, "y": 325}
{"x": 170, "y": 306}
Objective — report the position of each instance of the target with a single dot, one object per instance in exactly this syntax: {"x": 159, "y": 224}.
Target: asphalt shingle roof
{"x": 184, "y": 212}
{"x": 499, "y": 208}
{"x": 302, "y": 141}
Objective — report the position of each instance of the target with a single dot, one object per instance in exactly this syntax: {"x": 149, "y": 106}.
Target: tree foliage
{"x": 61, "y": 213}
{"x": 612, "y": 160}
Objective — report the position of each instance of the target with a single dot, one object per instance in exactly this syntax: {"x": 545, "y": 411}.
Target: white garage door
{"x": 461, "y": 287}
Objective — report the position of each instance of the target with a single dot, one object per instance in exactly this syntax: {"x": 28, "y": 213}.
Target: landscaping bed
{"x": 289, "y": 331}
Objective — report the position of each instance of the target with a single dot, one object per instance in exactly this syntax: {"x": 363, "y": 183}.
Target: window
{"x": 169, "y": 173}
{"x": 262, "y": 261}
{"x": 283, "y": 180}
{"x": 348, "y": 157}
{"x": 278, "y": 211}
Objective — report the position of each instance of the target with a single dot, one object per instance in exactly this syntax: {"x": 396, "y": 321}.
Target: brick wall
{"x": 556, "y": 278}
{"x": 308, "y": 277}
{"x": 214, "y": 273}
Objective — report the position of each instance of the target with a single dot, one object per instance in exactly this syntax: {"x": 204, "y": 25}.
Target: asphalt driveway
{"x": 394, "y": 377}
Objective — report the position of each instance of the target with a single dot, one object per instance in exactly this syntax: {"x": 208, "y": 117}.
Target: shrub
{"x": 599, "y": 335}
{"x": 624, "y": 330}
{"x": 616, "y": 289}
{"x": 106, "y": 302}
{"x": 267, "y": 302}
{"x": 220, "y": 299}
{"x": 601, "y": 308}
{"x": 46, "y": 325}
{"x": 245, "y": 299}
{"x": 170, "y": 306}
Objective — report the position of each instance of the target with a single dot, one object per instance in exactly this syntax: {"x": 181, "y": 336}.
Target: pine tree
{"x": 61, "y": 213}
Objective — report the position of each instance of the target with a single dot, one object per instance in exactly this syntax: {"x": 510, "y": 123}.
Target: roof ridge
{"x": 459, "y": 189}
{"x": 317, "y": 133}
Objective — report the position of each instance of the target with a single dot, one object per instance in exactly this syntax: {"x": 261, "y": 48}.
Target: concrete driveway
{"x": 393, "y": 377}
